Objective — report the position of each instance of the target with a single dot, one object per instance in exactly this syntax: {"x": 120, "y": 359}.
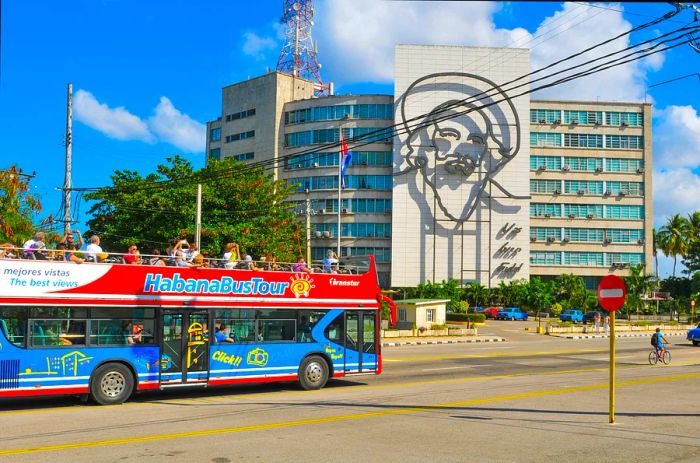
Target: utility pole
{"x": 308, "y": 227}
{"x": 198, "y": 218}
{"x": 69, "y": 153}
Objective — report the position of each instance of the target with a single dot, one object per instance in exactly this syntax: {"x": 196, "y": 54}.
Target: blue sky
{"x": 148, "y": 75}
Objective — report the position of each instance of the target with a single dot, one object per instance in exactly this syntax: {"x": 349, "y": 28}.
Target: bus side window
{"x": 38, "y": 335}
{"x": 336, "y": 330}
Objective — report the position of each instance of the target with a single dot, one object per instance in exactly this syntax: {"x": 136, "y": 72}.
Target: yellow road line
{"x": 339, "y": 418}
{"x": 359, "y": 387}
{"x": 494, "y": 355}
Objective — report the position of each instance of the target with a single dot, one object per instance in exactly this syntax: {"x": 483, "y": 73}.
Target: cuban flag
{"x": 345, "y": 159}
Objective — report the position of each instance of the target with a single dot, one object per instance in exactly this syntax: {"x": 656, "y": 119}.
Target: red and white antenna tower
{"x": 298, "y": 55}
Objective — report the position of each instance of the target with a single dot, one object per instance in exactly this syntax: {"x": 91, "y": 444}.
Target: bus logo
{"x": 301, "y": 284}
{"x": 258, "y": 357}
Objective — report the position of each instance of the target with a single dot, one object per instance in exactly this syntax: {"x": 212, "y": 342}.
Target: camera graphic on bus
{"x": 258, "y": 357}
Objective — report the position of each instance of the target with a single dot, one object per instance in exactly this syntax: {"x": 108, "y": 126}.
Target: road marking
{"x": 340, "y": 418}
{"x": 455, "y": 368}
{"x": 494, "y": 354}
{"x": 360, "y": 387}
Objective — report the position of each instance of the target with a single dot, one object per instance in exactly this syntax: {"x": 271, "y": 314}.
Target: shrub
{"x": 463, "y": 317}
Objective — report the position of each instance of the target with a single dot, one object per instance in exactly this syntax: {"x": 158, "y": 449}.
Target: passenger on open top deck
{"x": 301, "y": 266}
{"x": 133, "y": 256}
{"x": 232, "y": 254}
{"x": 32, "y": 247}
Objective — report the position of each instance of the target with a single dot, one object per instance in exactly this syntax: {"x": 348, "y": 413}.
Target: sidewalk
{"x": 631, "y": 334}
{"x": 423, "y": 340}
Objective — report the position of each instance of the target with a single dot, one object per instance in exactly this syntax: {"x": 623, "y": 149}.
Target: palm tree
{"x": 656, "y": 245}
{"x": 694, "y": 226}
{"x": 638, "y": 284}
{"x": 674, "y": 237}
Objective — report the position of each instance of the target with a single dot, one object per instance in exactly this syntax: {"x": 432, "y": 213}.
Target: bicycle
{"x": 655, "y": 357}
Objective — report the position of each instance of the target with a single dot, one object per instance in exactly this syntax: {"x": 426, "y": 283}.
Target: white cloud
{"x": 166, "y": 125}
{"x": 677, "y": 138}
{"x": 114, "y": 122}
{"x": 368, "y": 55}
{"x": 256, "y": 46}
{"x": 580, "y": 27}
{"x": 178, "y": 129}
{"x": 357, "y": 37}
{"x": 676, "y": 191}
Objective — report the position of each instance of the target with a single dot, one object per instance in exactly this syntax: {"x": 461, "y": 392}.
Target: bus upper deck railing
{"x": 351, "y": 266}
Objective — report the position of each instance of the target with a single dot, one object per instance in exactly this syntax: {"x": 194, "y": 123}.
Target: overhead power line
{"x": 397, "y": 129}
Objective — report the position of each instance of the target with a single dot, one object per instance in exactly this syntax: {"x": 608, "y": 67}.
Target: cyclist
{"x": 660, "y": 343}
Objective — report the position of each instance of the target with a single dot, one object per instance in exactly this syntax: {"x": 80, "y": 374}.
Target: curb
{"x": 447, "y": 341}
{"x": 622, "y": 335}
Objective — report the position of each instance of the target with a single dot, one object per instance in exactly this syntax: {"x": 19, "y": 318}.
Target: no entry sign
{"x": 611, "y": 292}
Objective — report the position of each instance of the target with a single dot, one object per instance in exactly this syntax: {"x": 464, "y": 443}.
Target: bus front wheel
{"x": 111, "y": 384}
{"x": 313, "y": 373}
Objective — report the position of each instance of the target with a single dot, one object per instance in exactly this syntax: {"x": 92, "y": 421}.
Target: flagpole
{"x": 340, "y": 181}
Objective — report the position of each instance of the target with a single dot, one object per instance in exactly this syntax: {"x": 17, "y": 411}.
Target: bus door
{"x": 184, "y": 347}
{"x": 360, "y": 342}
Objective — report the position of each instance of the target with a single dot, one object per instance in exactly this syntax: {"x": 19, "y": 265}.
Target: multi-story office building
{"x": 590, "y": 183}
{"x": 276, "y": 117}
{"x": 587, "y": 208}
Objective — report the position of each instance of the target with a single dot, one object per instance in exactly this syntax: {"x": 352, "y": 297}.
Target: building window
{"x": 402, "y": 315}
{"x": 625, "y": 188}
{"x": 545, "y": 210}
{"x": 624, "y": 212}
{"x": 623, "y": 235}
{"x": 543, "y": 139}
{"x": 583, "y": 140}
{"x": 240, "y": 115}
{"x": 545, "y": 233}
{"x": 583, "y": 187}
{"x": 545, "y": 186}
{"x": 330, "y": 159}
{"x": 545, "y": 258}
{"x": 622, "y": 118}
{"x": 430, "y": 315}
{"x": 240, "y": 136}
{"x": 631, "y": 258}
{"x": 584, "y": 235}
{"x": 215, "y": 134}
{"x": 542, "y": 116}
{"x": 330, "y": 113}
{"x": 581, "y": 164}
{"x": 545, "y": 163}
{"x": 623, "y": 165}
{"x": 583, "y": 117}
{"x": 580, "y": 211}
{"x": 361, "y": 134}
{"x": 635, "y": 142}
{"x": 589, "y": 259}
{"x": 215, "y": 153}
{"x": 244, "y": 156}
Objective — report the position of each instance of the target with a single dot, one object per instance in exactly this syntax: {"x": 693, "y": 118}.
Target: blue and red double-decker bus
{"x": 108, "y": 330}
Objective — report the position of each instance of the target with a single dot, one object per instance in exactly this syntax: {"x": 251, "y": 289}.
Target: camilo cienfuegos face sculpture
{"x": 467, "y": 138}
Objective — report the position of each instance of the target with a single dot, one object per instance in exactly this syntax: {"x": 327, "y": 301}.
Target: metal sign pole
{"x": 612, "y": 367}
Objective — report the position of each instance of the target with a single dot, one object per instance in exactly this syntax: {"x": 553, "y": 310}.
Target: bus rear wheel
{"x": 313, "y": 373}
{"x": 111, "y": 384}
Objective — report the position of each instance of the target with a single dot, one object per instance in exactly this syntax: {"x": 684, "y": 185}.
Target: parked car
{"x": 589, "y": 317}
{"x": 572, "y": 315}
{"x": 511, "y": 313}
{"x": 491, "y": 312}
{"x": 475, "y": 309}
{"x": 694, "y": 335}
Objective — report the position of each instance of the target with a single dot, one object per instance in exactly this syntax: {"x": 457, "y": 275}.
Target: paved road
{"x": 530, "y": 399}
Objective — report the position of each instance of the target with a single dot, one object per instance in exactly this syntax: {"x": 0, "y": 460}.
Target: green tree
{"x": 674, "y": 238}
{"x": 238, "y": 204}
{"x": 477, "y": 294}
{"x": 691, "y": 260}
{"x": 638, "y": 284}
{"x": 570, "y": 290}
{"x": 539, "y": 294}
{"x": 17, "y": 206}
